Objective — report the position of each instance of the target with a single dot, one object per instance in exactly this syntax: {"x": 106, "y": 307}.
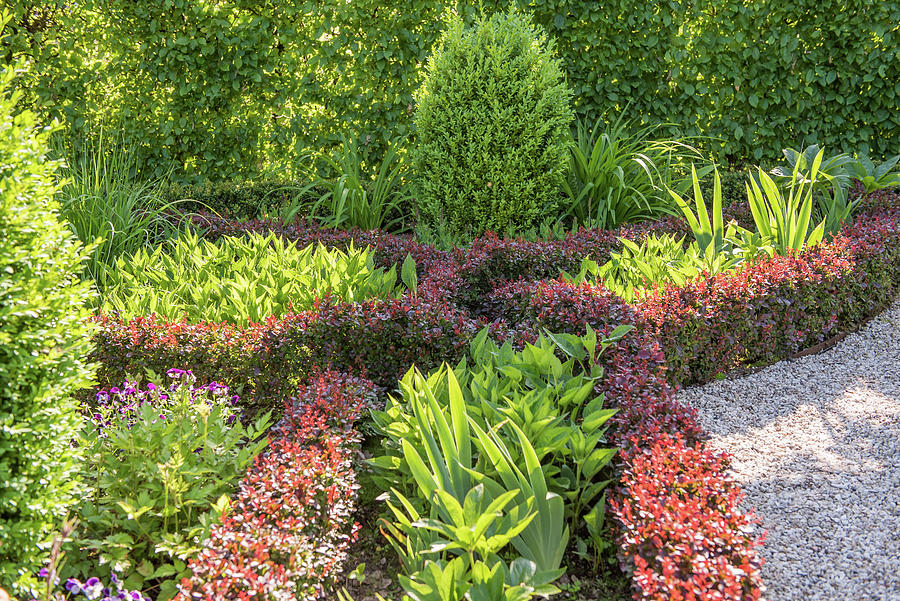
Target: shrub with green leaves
{"x": 239, "y": 279}
{"x": 159, "y": 464}
{"x": 242, "y": 199}
{"x": 44, "y": 344}
{"x": 492, "y": 121}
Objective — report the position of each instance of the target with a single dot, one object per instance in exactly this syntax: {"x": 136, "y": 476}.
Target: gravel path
{"x": 816, "y": 447}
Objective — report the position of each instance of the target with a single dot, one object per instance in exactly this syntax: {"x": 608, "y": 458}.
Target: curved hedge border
{"x": 676, "y": 513}
{"x": 290, "y": 523}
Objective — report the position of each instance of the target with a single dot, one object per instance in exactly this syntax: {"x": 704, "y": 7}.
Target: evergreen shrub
{"x": 44, "y": 342}
{"x": 492, "y": 118}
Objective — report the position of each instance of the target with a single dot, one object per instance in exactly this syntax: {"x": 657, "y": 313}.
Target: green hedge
{"x": 221, "y": 88}
{"x": 44, "y": 342}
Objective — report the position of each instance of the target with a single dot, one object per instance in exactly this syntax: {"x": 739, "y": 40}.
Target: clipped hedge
{"x": 287, "y": 531}
{"x": 775, "y": 308}
{"x": 492, "y": 121}
{"x": 247, "y": 86}
{"x": 263, "y": 363}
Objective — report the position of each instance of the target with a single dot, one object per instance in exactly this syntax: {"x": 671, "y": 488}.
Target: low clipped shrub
{"x": 559, "y": 306}
{"x": 680, "y": 525}
{"x": 771, "y": 309}
{"x": 492, "y": 122}
{"x": 287, "y": 530}
{"x": 379, "y": 339}
{"x": 239, "y": 280}
{"x": 264, "y": 362}
{"x": 44, "y": 346}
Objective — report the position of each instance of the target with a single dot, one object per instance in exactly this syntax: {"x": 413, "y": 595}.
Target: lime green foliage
{"x": 103, "y": 201}
{"x": 638, "y": 269}
{"x": 616, "y": 175}
{"x": 830, "y": 188}
{"x": 492, "y": 121}
{"x": 44, "y": 344}
{"x": 353, "y": 198}
{"x": 239, "y": 280}
{"x": 507, "y": 452}
{"x": 716, "y": 247}
{"x": 464, "y": 513}
{"x": 784, "y": 222}
{"x": 159, "y": 465}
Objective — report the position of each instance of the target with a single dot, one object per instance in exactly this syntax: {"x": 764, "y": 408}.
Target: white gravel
{"x": 816, "y": 447}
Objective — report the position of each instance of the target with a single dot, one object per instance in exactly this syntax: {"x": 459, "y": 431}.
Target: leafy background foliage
{"x": 244, "y": 82}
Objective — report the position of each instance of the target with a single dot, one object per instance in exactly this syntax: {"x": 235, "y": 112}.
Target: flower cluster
{"x": 92, "y": 589}
{"x": 125, "y": 404}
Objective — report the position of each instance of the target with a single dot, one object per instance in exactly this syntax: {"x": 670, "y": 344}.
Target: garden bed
{"x": 676, "y": 512}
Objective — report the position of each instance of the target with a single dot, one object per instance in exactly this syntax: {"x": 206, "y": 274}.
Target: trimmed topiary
{"x": 492, "y": 121}
{"x": 44, "y": 342}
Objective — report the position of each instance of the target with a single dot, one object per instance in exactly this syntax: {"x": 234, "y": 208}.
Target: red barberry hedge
{"x": 776, "y": 307}
{"x": 264, "y": 362}
{"x": 287, "y": 531}
{"x": 680, "y": 527}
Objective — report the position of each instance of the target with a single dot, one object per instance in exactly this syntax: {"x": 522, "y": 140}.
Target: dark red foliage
{"x": 776, "y": 307}
{"x": 264, "y": 362}
{"x": 287, "y": 531}
{"x": 557, "y": 306}
{"x": 680, "y": 526}
{"x": 380, "y": 339}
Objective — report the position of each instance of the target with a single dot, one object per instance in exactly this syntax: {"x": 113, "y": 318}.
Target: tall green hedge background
{"x": 225, "y": 88}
